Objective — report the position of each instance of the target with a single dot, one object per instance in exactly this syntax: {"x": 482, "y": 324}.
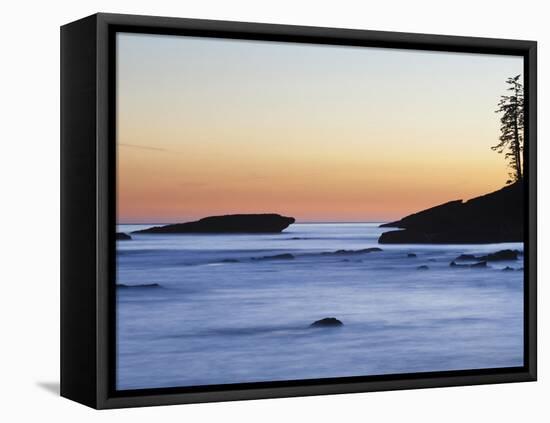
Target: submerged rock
{"x": 326, "y": 322}
{"x": 352, "y": 252}
{"x": 285, "y": 256}
{"x": 479, "y": 264}
{"x": 466, "y": 257}
{"x": 232, "y": 223}
{"x": 491, "y": 218}
{"x": 121, "y": 236}
{"x": 498, "y": 256}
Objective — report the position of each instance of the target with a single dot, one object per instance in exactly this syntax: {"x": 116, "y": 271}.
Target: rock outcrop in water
{"x": 502, "y": 255}
{"x": 233, "y": 223}
{"x": 351, "y": 252}
{"x": 284, "y": 256}
{"x": 478, "y": 264}
{"x": 326, "y": 322}
{"x": 491, "y": 218}
{"x": 121, "y": 236}
{"x": 465, "y": 257}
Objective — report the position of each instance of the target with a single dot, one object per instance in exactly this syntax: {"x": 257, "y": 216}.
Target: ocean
{"x": 223, "y": 309}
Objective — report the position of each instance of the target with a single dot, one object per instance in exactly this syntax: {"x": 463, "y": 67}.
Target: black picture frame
{"x": 88, "y": 209}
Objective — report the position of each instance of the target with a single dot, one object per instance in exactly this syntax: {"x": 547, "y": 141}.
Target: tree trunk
{"x": 517, "y": 146}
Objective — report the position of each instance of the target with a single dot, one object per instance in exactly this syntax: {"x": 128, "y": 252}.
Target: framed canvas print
{"x": 255, "y": 211}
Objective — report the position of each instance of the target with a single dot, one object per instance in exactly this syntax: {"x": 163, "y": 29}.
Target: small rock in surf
{"x": 326, "y": 322}
{"x": 285, "y": 256}
{"x": 465, "y": 257}
{"x": 352, "y": 252}
{"x": 501, "y": 255}
{"x": 479, "y": 264}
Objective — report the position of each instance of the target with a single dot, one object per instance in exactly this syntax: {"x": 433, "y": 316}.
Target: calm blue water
{"x": 222, "y": 314}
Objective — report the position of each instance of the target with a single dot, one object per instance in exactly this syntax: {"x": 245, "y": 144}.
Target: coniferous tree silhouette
{"x": 511, "y": 128}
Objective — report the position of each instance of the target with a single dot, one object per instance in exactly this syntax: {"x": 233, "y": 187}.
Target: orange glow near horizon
{"x": 319, "y": 133}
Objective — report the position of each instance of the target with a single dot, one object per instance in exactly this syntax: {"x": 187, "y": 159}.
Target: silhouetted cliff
{"x": 494, "y": 217}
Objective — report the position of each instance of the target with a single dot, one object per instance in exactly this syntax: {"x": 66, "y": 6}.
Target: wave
{"x": 303, "y": 329}
{"x": 175, "y": 259}
{"x": 144, "y": 285}
{"x": 292, "y": 256}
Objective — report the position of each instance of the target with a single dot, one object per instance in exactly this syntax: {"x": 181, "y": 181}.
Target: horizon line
{"x": 303, "y": 222}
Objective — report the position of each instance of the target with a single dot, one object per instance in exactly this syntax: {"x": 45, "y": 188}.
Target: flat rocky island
{"x": 232, "y": 223}
{"x": 490, "y": 218}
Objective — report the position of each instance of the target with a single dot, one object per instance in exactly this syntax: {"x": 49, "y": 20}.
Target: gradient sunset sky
{"x": 321, "y": 133}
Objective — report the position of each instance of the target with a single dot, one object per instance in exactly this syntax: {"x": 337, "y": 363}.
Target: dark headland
{"x": 233, "y": 223}
{"x": 494, "y": 217}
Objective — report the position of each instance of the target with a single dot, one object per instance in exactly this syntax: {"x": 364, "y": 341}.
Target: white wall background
{"x": 29, "y": 177}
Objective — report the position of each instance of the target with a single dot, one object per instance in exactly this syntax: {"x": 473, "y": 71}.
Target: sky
{"x": 322, "y": 133}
